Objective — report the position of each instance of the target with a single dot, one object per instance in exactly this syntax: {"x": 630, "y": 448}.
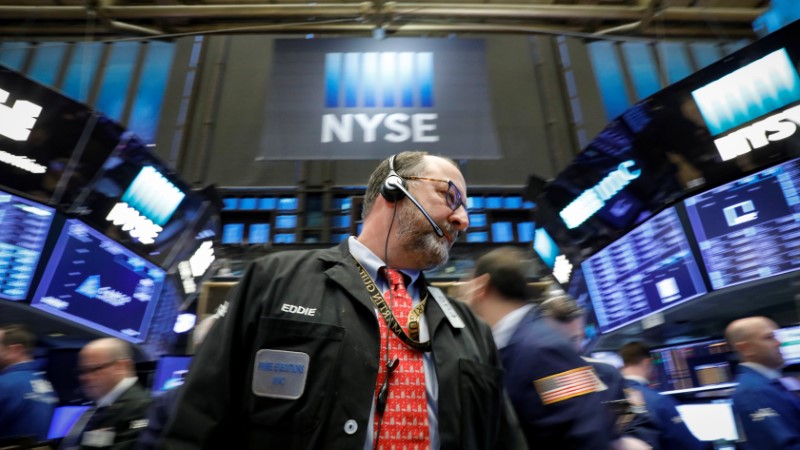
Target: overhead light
{"x": 184, "y": 322}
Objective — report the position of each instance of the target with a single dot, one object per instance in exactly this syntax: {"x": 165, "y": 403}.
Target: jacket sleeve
{"x": 210, "y": 401}
{"x": 574, "y": 421}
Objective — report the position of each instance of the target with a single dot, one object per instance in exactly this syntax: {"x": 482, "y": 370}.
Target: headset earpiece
{"x": 389, "y": 189}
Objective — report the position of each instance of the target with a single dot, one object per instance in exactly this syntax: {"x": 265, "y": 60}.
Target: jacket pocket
{"x": 292, "y": 375}
{"x": 481, "y": 398}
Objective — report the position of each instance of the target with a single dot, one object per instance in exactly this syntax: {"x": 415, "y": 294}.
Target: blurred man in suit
{"x": 108, "y": 378}
{"x": 26, "y": 397}
{"x": 768, "y": 411}
{"x": 554, "y": 392}
{"x": 673, "y": 434}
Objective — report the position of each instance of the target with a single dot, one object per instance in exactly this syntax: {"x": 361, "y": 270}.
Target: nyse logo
{"x": 17, "y": 121}
{"x": 379, "y": 80}
{"x": 772, "y": 129}
{"x": 740, "y": 213}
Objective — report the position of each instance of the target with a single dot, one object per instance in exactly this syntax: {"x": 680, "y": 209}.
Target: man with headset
{"x": 349, "y": 348}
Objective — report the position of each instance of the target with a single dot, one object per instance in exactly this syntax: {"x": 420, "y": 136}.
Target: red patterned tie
{"x": 404, "y": 423}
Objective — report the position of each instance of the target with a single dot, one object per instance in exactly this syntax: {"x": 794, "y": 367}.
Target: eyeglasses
{"x": 452, "y": 197}
{"x": 93, "y": 369}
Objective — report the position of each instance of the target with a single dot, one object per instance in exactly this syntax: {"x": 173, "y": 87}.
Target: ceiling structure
{"x": 714, "y": 19}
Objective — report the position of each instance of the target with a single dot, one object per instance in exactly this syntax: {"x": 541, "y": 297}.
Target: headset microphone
{"x": 436, "y": 228}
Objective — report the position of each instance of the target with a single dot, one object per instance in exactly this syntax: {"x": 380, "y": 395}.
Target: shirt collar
{"x": 112, "y": 396}
{"x": 372, "y": 264}
{"x": 505, "y": 327}
{"x": 772, "y": 374}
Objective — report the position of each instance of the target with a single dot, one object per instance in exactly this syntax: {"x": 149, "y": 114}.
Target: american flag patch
{"x": 566, "y": 385}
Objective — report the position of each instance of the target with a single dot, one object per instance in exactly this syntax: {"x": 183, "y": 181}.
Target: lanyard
{"x": 413, "y": 317}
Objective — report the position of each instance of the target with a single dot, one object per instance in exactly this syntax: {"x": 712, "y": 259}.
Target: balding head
{"x": 754, "y": 339}
{"x": 103, "y": 363}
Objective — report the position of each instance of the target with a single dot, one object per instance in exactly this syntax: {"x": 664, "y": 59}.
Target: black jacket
{"x": 341, "y": 338}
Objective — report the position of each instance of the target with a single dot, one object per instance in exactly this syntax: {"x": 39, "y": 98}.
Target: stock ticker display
{"x": 97, "y": 282}
{"x": 749, "y": 229}
{"x": 692, "y": 365}
{"x": 23, "y": 231}
{"x": 649, "y": 269}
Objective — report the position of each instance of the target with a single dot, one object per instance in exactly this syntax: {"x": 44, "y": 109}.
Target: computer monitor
{"x": 171, "y": 371}
{"x": 24, "y": 226}
{"x": 650, "y": 269}
{"x": 64, "y": 417}
{"x": 713, "y": 421}
{"x": 693, "y": 366}
{"x": 96, "y": 282}
{"x": 789, "y": 338}
{"x": 747, "y": 229}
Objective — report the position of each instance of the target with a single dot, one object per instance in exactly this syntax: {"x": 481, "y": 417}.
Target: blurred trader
{"x": 624, "y": 412}
{"x": 554, "y": 392}
{"x": 27, "y": 399}
{"x": 163, "y": 405}
{"x": 673, "y": 434}
{"x": 300, "y": 359}
{"x": 769, "y": 413}
{"x": 108, "y": 378}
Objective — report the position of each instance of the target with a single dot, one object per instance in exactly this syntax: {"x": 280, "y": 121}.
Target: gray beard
{"x": 418, "y": 238}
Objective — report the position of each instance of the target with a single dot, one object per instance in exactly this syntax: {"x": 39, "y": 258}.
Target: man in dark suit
{"x": 768, "y": 411}
{"x": 318, "y": 350}
{"x": 119, "y": 413}
{"x": 556, "y": 394}
{"x": 673, "y": 434}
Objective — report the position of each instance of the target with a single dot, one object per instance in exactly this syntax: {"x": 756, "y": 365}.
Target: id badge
{"x": 280, "y": 374}
{"x": 98, "y": 438}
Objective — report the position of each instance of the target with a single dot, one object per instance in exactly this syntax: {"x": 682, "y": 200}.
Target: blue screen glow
{"x": 170, "y": 372}
{"x": 748, "y": 93}
{"x": 24, "y": 226}
{"x": 153, "y": 195}
{"x": 94, "y": 281}
{"x": 648, "y": 270}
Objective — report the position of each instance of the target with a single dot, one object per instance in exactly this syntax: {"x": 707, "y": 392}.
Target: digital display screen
{"x": 502, "y": 232}
{"x": 50, "y": 146}
{"x": 692, "y": 365}
{"x": 24, "y": 226}
{"x": 749, "y": 229}
{"x": 64, "y": 417}
{"x": 790, "y": 344}
{"x": 710, "y": 422}
{"x": 170, "y": 372}
{"x": 649, "y": 269}
{"x": 137, "y": 201}
{"x": 545, "y": 247}
{"x": 94, "y": 281}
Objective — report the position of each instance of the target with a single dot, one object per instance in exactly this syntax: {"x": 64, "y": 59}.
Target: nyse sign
{"x": 16, "y": 122}
{"x": 364, "y": 98}
{"x": 395, "y": 128}
{"x": 772, "y": 129}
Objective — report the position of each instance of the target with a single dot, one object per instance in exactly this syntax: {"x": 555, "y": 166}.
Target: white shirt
{"x": 763, "y": 370}
{"x": 505, "y": 327}
{"x": 372, "y": 264}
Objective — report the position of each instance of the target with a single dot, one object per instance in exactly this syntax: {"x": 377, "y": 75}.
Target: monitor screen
{"x": 649, "y": 269}
{"x": 710, "y": 422}
{"x": 171, "y": 371}
{"x": 137, "y": 201}
{"x": 50, "y": 146}
{"x": 24, "y": 226}
{"x": 748, "y": 229}
{"x": 98, "y": 283}
{"x": 545, "y": 247}
{"x": 789, "y": 338}
{"x": 690, "y": 366}
{"x": 64, "y": 417}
